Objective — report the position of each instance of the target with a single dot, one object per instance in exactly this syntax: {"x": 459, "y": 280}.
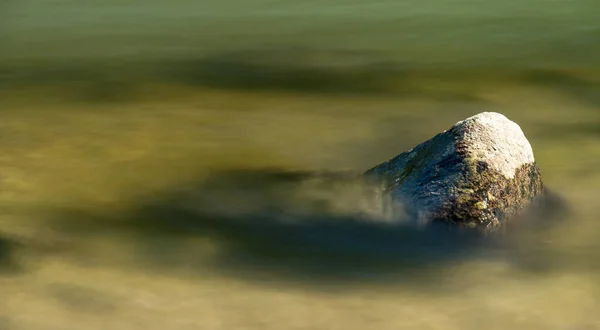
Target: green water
{"x": 461, "y": 33}
{"x": 159, "y": 160}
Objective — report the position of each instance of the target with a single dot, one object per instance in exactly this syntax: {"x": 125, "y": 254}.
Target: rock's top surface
{"x": 491, "y": 137}
{"x": 476, "y": 174}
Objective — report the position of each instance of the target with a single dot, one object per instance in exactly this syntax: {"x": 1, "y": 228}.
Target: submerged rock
{"x": 477, "y": 174}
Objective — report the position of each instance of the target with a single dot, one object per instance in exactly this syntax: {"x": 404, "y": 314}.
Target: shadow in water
{"x": 9, "y": 263}
{"x": 270, "y": 224}
{"x": 585, "y": 90}
{"x": 303, "y": 70}
{"x": 285, "y": 69}
{"x": 291, "y": 69}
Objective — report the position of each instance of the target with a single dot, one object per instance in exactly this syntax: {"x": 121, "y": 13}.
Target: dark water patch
{"x": 583, "y": 89}
{"x": 287, "y": 69}
{"x": 530, "y": 243}
{"x": 283, "y": 70}
{"x": 9, "y": 256}
{"x": 302, "y": 70}
{"x": 268, "y": 225}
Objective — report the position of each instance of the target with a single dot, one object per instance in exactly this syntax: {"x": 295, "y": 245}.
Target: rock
{"x": 478, "y": 174}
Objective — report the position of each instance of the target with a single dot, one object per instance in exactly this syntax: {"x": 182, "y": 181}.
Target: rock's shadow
{"x": 284, "y": 225}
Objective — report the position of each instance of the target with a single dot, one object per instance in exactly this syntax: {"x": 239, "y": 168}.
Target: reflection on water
{"x": 148, "y": 182}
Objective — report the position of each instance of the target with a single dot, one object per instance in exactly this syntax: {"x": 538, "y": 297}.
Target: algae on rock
{"x": 477, "y": 174}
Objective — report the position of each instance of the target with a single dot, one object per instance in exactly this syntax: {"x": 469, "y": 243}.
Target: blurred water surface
{"x": 184, "y": 164}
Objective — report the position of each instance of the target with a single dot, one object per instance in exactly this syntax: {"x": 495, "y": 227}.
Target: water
{"x": 162, "y": 164}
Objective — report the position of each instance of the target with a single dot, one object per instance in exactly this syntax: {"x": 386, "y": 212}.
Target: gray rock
{"x": 478, "y": 174}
